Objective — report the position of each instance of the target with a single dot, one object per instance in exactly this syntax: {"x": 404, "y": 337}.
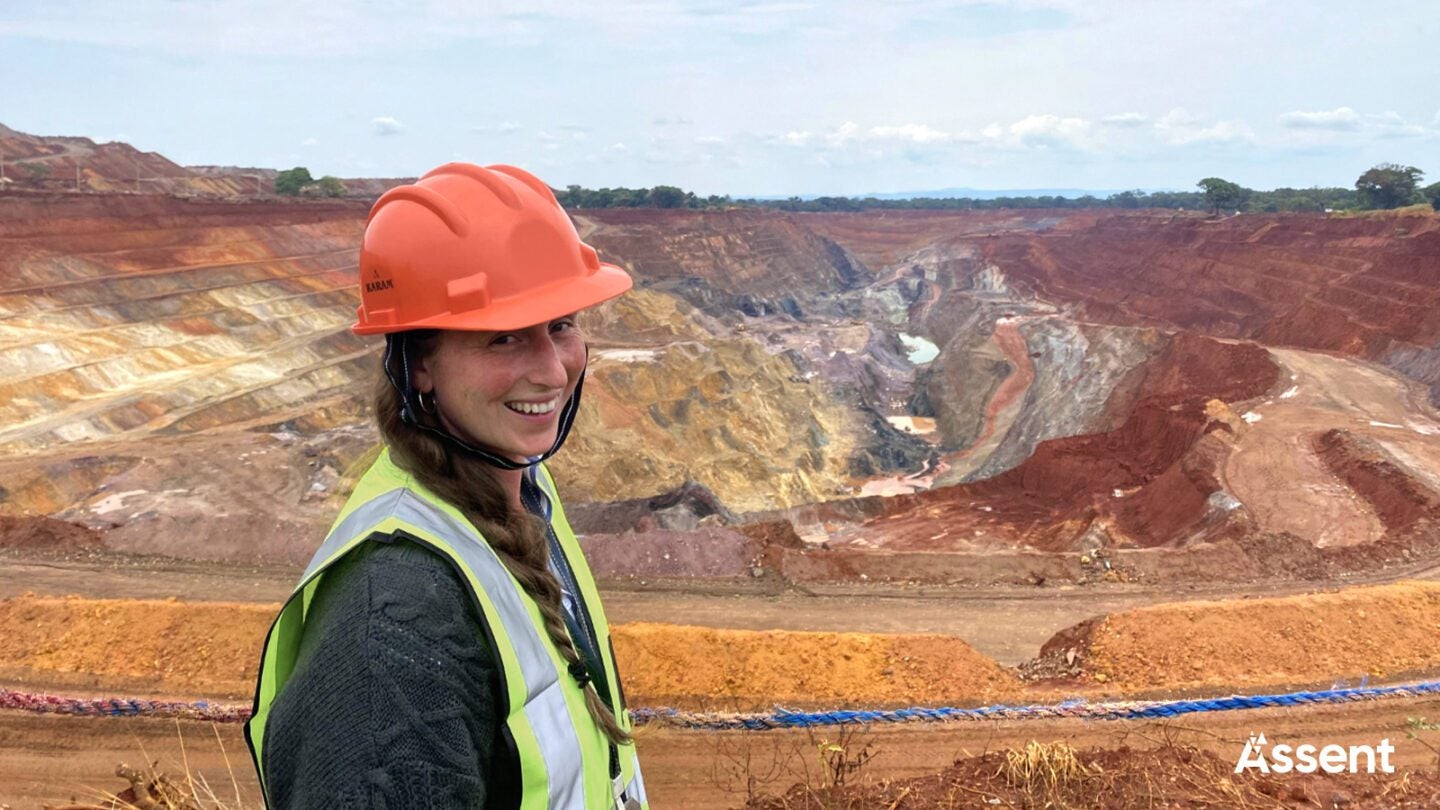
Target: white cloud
{"x": 502, "y": 128}
{"x": 1045, "y": 131}
{"x": 1222, "y": 132}
{"x": 554, "y": 138}
{"x": 309, "y": 142}
{"x": 709, "y": 140}
{"x": 1126, "y": 120}
{"x": 916, "y": 133}
{"x": 386, "y": 125}
{"x": 1340, "y": 119}
{"x": 1177, "y": 118}
{"x": 668, "y": 121}
{"x": 1326, "y": 125}
{"x": 843, "y": 133}
{"x": 1391, "y": 124}
{"x": 1181, "y": 128}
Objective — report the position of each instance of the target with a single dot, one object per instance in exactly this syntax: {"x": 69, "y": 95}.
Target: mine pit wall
{"x": 135, "y": 314}
{"x": 1364, "y": 286}
{"x": 1418, "y": 364}
{"x": 765, "y": 270}
{"x": 147, "y": 316}
{"x": 75, "y": 218}
{"x": 1156, "y": 456}
{"x": 632, "y": 452}
{"x": 728, "y": 262}
{"x": 726, "y": 414}
{"x": 1077, "y": 389}
{"x": 1247, "y": 557}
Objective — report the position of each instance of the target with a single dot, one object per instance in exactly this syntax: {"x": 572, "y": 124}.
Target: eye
{"x": 562, "y": 325}
{"x": 504, "y": 339}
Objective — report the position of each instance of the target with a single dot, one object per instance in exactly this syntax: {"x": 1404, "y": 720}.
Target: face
{"x": 504, "y": 390}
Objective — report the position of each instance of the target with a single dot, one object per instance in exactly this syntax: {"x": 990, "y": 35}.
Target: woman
{"x": 446, "y": 646}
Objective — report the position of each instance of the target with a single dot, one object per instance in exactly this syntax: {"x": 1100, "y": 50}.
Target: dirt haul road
{"x": 1007, "y": 623}
{"x": 1287, "y": 485}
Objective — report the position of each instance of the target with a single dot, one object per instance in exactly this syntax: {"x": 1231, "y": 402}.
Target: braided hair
{"x": 517, "y": 537}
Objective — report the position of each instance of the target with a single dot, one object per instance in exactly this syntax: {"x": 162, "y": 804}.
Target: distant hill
{"x": 69, "y": 163}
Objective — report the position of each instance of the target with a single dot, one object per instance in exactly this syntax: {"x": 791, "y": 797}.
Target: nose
{"x": 546, "y": 363}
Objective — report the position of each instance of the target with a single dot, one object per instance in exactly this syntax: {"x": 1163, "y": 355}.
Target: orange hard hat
{"x": 475, "y": 248}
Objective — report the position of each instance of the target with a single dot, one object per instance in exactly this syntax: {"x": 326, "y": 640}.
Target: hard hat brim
{"x": 536, "y": 306}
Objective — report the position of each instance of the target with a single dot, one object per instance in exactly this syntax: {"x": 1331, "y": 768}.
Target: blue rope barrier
{"x": 1078, "y": 708}
{"x": 784, "y": 718}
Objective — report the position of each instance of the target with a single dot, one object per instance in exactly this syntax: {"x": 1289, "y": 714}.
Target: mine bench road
{"x": 1006, "y": 622}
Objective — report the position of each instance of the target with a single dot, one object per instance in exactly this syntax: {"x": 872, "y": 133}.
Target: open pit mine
{"x": 850, "y": 460}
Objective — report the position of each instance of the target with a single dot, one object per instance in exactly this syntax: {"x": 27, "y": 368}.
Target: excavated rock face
{"x": 180, "y": 376}
{"x": 141, "y": 334}
{"x": 721, "y": 411}
{"x": 1360, "y": 286}
{"x": 729, "y": 263}
{"x": 1077, "y": 371}
{"x": 1076, "y": 418}
{"x": 1154, "y": 460}
{"x": 133, "y": 317}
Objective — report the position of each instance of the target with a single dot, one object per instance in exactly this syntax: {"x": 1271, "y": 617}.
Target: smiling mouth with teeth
{"x": 533, "y": 408}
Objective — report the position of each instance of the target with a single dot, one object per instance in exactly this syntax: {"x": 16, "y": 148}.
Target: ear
{"x": 422, "y": 373}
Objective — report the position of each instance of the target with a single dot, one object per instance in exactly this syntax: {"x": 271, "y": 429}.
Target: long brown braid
{"x": 517, "y": 537}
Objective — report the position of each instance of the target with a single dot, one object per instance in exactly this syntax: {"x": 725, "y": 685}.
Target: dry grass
{"x": 1043, "y": 769}
{"x": 153, "y": 789}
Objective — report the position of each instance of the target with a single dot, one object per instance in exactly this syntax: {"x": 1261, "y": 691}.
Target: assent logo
{"x": 1307, "y": 758}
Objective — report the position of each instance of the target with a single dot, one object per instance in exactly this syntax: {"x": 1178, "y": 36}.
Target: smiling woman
{"x": 502, "y": 390}
{"x": 446, "y": 646}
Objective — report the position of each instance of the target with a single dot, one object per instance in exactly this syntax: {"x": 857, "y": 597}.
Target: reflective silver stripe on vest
{"x": 545, "y": 706}
{"x": 635, "y": 788}
{"x": 365, "y": 515}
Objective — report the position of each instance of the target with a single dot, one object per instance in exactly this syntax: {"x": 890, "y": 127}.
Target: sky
{"x": 746, "y": 97}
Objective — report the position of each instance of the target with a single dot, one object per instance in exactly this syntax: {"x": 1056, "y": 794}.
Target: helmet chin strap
{"x": 397, "y": 348}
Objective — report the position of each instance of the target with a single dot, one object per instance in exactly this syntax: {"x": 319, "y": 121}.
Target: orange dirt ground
{"x": 1381, "y": 631}
{"x": 49, "y": 758}
{"x": 1387, "y": 631}
{"x": 213, "y": 649}
{"x": 751, "y": 669}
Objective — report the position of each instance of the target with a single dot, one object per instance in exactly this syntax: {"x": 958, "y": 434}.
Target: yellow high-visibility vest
{"x": 564, "y": 757}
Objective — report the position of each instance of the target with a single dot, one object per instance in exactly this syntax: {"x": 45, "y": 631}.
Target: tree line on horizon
{"x": 1388, "y": 185}
{"x": 1385, "y": 186}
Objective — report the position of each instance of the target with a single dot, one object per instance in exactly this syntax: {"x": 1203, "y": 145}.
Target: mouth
{"x": 541, "y": 408}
